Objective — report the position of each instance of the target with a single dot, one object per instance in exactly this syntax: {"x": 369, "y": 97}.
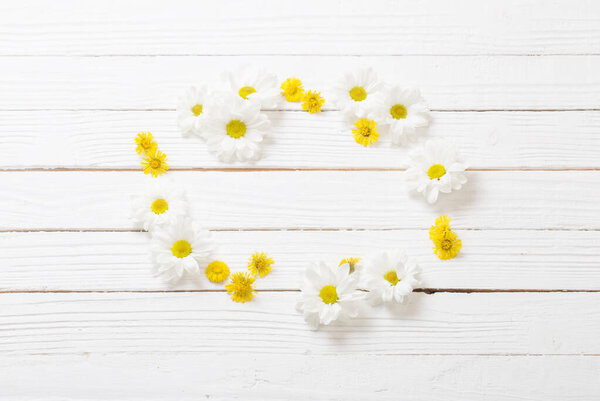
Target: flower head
{"x": 161, "y": 204}
{"x": 436, "y": 167}
{"x": 442, "y": 224}
{"x": 292, "y": 89}
{"x": 328, "y": 293}
{"x": 352, "y": 263}
{"x": 260, "y": 264}
{"x": 402, "y": 114}
{"x": 389, "y": 277}
{"x": 365, "y": 132}
{"x": 235, "y": 130}
{"x": 446, "y": 244}
{"x": 191, "y": 111}
{"x": 217, "y": 271}
{"x": 155, "y": 163}
{"x": 180, "y": 247}
{"x": 354, "y": 93}
{"x": 145, "y": 143}
{"x": 255, "y": 85}
{"x": 240, "y": 287}
{"x": 313, "y": 101}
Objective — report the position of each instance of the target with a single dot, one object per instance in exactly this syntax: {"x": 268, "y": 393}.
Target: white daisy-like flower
{"x": 389, "y": 277}
{"x": 401, "y": 113}
{"x": 355, "y": 92}
{"x": 328, "y": 293}
{"x": 179, "y": 248}
{"x": 436, "y": 167}
{"x": 191, "y": 111}
{"x": 161, "y": 204}
{"x": 235, "y": 129}
{"x": 255, "y": 85}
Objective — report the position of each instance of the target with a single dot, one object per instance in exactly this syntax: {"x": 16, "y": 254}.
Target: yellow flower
{"x": 441, "y": 225}
{"x": 292, "y": 89}
{"x": 145, "y": 143}
{"x": 155, "y": 163}
{"x": 313, "y": 101}
{"x": 351, "y": 261}
{"x": 446, "y": 245}
{"x": 240, "y": 287}
{"x": 260, "y": 264}
{"x": 365, "y": 132}
{"x": 217, "y": 271}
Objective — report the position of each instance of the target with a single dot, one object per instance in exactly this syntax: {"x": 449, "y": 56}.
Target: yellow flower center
{"x": 236, "y": 129}
{"x": 329, "y": 294}
{"x": 436, "y": 171}
{"x": 398, "y": 111}
{"x": 159, "y": 206}
{"x": 245, "y": 91}
{"x": 155, "y": 163}
{"x": 197, "y": 110}
{"x": 181, "y": 248}
{"x": 392, "y": 277}
{"x": 365, "y": 131}
{"x": 358, "y": 93}
{"x": 146, "y": 143}
{"x": 446, "y": 244}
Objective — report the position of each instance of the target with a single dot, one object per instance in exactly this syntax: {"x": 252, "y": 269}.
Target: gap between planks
{"x": 427, "y": 291}
{"x": 259, "y": 169}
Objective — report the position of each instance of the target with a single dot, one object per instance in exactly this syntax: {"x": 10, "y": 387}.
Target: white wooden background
{"x": 516, "y": 84}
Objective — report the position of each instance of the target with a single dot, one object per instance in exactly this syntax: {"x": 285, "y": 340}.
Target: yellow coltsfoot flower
{"x": 352, "y": 262}
{"x": 441, "y": 225}
{"x": 260, "y": 264}
{"x": 365, "y": 133}
{"x": 217, "y": 271}
{"x": 155, "y": 163}
{"x": 313, "y": 101}
{"x": 447, "y": 245}
{"x": 292, "y": 89}
{"x": 240, "y": 287}
{"x": 145, "y": 143}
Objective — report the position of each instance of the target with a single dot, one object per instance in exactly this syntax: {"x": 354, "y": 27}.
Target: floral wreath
{"x": 231, "y": 123}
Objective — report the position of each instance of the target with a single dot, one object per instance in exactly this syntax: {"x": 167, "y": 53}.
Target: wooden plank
{"x": 498, "y": 259}
{"x": 447, "y": 82}
{"x": 304, "y": 200}
{"x": 103, "y": 139}
{"x": 239, "y": 376}
{"x": 442, "y": 323}
{"x": 312, "y": 27}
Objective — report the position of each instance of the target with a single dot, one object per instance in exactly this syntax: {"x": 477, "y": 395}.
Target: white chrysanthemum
{"x": 180, "y": 247}
{"x": 401, "y": 113}
{"x": 255, "y": 85}
{"x": 328, "y": 293}
{"x": 235, "y": 129}
{"x": 191, "y": 111}
{"x": 161, "y": 204}
{"x": 389, "y": 277}
{"x": 355, "y": 92}
{"x": 436, "y": 167}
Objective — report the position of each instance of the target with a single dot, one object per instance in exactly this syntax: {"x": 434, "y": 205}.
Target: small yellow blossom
{"x": 441, "y": 225}
{"x": 155, "y": 163}
{"x": 365, "y": 132}
{"x": 313, "y": 101}
{"x": 447, "y": 245}
{"x": 145, "y": 143}
{"x": 351, "y": 261}
{"x": 217, "y": 271}
{"x": 292, "y": 89}
{"x": 260, "y": 264}
{"x": 240, "y": 287}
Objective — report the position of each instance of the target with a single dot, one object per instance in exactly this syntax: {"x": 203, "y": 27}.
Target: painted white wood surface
{"x": 490, "y": 259}
{"x": 515, "y": 84}
{"x": 102, "y": 139}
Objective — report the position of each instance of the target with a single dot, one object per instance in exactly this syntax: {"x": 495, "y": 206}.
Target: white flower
{"x": 235, "y": 129}
{"x": 161, "y": 204}
{"x": 401, "y": 113}
{"x": 354, "y": 93}
{"x": 389, "y": 277}
{"x": 328, "y": 293}
{"x": 180, "y": 247}
{"x": 191, "y": 111}
{"x": 255, "y": 85}
{"x": 436, "y": 167}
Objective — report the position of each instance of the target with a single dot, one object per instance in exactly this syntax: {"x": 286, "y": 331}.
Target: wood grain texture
{"x": 111, "y": 261}
{"x": 210, "y": 323}
{"x": 310, "y": 27}
{"x": 238, "y": 376}
{"x": 103, "y": 139}
{"x": 304, "y": 200}
{"x": 447, "y": 82}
